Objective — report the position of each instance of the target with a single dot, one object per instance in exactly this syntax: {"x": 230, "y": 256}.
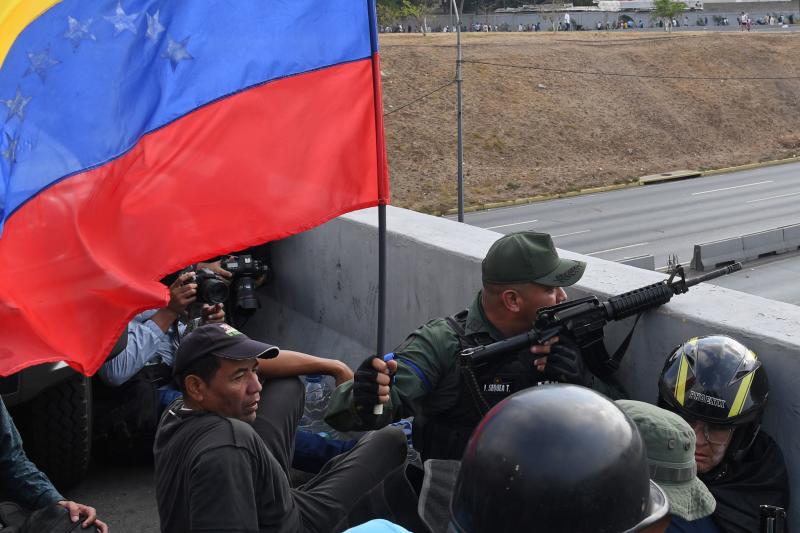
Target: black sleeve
{"x": 222, "y": 492}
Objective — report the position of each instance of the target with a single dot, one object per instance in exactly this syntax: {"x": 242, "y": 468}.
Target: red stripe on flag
{"x": 79, "y": 260}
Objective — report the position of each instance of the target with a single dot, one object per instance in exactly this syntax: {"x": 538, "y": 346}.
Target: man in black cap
{"x": 215, "y": 471}
{"x": 522, "y": 273}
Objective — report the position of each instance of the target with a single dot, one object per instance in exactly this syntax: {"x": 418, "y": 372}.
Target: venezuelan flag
{"x": 139, "y": 136}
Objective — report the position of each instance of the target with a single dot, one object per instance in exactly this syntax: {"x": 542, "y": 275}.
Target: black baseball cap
{"x": 222, "y": 340}
{"x": 528, "y": 256}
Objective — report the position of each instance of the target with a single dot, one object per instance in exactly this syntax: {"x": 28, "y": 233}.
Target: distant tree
{"x": 667, "y": 11}
{"x": 388, "y": 14}
{"x": 418, "y": 10}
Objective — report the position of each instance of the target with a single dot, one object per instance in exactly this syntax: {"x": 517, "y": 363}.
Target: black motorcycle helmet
{"x": 555, "y": 458}
{"x": 718, "y": 380}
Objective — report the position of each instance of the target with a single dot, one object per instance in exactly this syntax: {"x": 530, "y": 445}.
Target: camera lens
{"x": 211, "y": 289}
{"x": 245, "y": 293}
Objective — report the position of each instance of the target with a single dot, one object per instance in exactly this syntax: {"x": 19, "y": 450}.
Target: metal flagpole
{"x": 459, "y": 118}
{"x": 381, "y": 279}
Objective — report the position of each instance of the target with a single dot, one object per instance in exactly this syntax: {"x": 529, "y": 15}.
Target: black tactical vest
{"x": 445, "y": 435}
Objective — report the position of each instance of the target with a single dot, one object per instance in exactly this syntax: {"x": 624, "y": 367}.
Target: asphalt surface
{"x": 670, "y": 218}
{"x": 125, "y": 497}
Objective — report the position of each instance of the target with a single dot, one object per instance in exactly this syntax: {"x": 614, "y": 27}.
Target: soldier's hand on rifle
{"x": 563, "y": 361}
{"x": 372, "y": 382}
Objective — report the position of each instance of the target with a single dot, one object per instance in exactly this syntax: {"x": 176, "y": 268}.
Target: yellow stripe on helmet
{"x": 15, "y": 16}
{"x": 741, "y": 395}
{"x": 680, "y": 385}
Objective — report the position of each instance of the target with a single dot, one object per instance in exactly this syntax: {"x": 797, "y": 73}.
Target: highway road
{"x": 670, "y": 218}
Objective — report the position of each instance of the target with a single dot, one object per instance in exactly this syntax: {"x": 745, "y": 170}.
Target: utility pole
{"x": 459, "y": 117}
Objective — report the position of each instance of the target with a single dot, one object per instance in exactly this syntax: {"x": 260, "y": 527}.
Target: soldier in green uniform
{"x": 521, "y": 274}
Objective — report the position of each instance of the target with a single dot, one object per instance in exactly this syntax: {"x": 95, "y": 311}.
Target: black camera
{"x": 211, "y": 288}
{"x": 245, "y": 270}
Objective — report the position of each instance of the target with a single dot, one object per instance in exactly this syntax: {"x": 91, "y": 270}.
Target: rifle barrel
{"x": 724, "y": 271}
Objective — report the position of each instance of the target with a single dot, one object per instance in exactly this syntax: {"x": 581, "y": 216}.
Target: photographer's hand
{"x": 216, "y": 268}
{"x": 182, "y": 292}
{"x": 213, "y": 313}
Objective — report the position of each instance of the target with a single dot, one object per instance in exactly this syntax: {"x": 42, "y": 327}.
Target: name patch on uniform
{"x": 497, "y": 387}
{"x": 705, "y": 398}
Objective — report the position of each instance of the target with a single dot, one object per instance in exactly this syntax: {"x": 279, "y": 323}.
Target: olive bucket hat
{"x": 528, "y": 256}
{"x": 670, "y": 443}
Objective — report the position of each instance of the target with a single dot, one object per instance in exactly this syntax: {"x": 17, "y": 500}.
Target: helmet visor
{"x": 657, "y": 508}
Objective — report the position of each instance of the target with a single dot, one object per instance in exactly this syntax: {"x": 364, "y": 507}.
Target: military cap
{"x": 528, "y": 256}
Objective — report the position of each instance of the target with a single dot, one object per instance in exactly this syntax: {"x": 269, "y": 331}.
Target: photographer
{"x": 137, "y": 385}
{"x": 153, "y": 337}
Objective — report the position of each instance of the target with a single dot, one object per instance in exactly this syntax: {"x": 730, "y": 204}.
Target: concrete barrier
{"x": 746, "y": 247}
{"x": 710, "y": 254}
{"x": 323, "y": 300}
{"x": 791, "y": 237}
{"x": 647, "y": 262}
{"x": 762, "y": 243}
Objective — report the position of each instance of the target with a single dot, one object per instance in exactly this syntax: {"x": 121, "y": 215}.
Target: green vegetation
{"x": 667, "y": 11}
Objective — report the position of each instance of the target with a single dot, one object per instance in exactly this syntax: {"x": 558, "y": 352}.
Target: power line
{"x": 641, "y": 76}
{"x": 448, "y": 84}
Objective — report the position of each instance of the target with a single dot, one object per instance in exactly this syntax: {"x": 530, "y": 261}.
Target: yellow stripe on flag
{"x": 680, "y": 387}
{"x": 15, "y": 15}
{"x": 741, "y": 395}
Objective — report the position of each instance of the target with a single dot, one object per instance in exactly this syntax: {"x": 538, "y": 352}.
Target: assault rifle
{"x": 585, "y": 318}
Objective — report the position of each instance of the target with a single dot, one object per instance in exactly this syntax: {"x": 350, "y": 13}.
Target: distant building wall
{"x": 589, "y": 19}
{"x": 323, "y": 300}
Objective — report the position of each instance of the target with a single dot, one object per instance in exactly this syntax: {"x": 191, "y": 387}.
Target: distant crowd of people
{"x": 566, "y": 22}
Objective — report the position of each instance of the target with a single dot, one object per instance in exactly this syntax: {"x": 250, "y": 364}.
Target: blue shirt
{"x": 20, "y": 480}
{"x": 378, "y": 526}
{"x": 147, "y": 345}
{"x": 702, "y": 525}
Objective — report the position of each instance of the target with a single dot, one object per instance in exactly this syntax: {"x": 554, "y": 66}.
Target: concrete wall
{"x": 324, "y": 301}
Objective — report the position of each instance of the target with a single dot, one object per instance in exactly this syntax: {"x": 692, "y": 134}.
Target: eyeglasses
{"x": 714, "y": 434}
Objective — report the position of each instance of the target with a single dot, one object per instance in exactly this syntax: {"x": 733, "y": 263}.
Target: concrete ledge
{"x": 647, "y": 262}
{"x": 669, "y": 176}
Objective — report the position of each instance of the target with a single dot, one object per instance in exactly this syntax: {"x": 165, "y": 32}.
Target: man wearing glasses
{"x": 720, "y": 388}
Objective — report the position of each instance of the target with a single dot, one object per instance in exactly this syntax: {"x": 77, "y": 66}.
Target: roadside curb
{"x": 542, "y": 198}
{"x": 651, "y": 179}
{"x": 750, "y": 166}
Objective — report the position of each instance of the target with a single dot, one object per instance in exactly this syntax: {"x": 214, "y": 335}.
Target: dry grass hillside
{"x": 531, "y": 132}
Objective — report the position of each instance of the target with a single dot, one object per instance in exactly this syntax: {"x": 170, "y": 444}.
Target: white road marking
{"x": 772, "y": 197}
{"x": 730, "y": 188}
{"x": 573, "y": 233}
{"x": 513, "y": 224}
{"x": 620, "y": 248}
